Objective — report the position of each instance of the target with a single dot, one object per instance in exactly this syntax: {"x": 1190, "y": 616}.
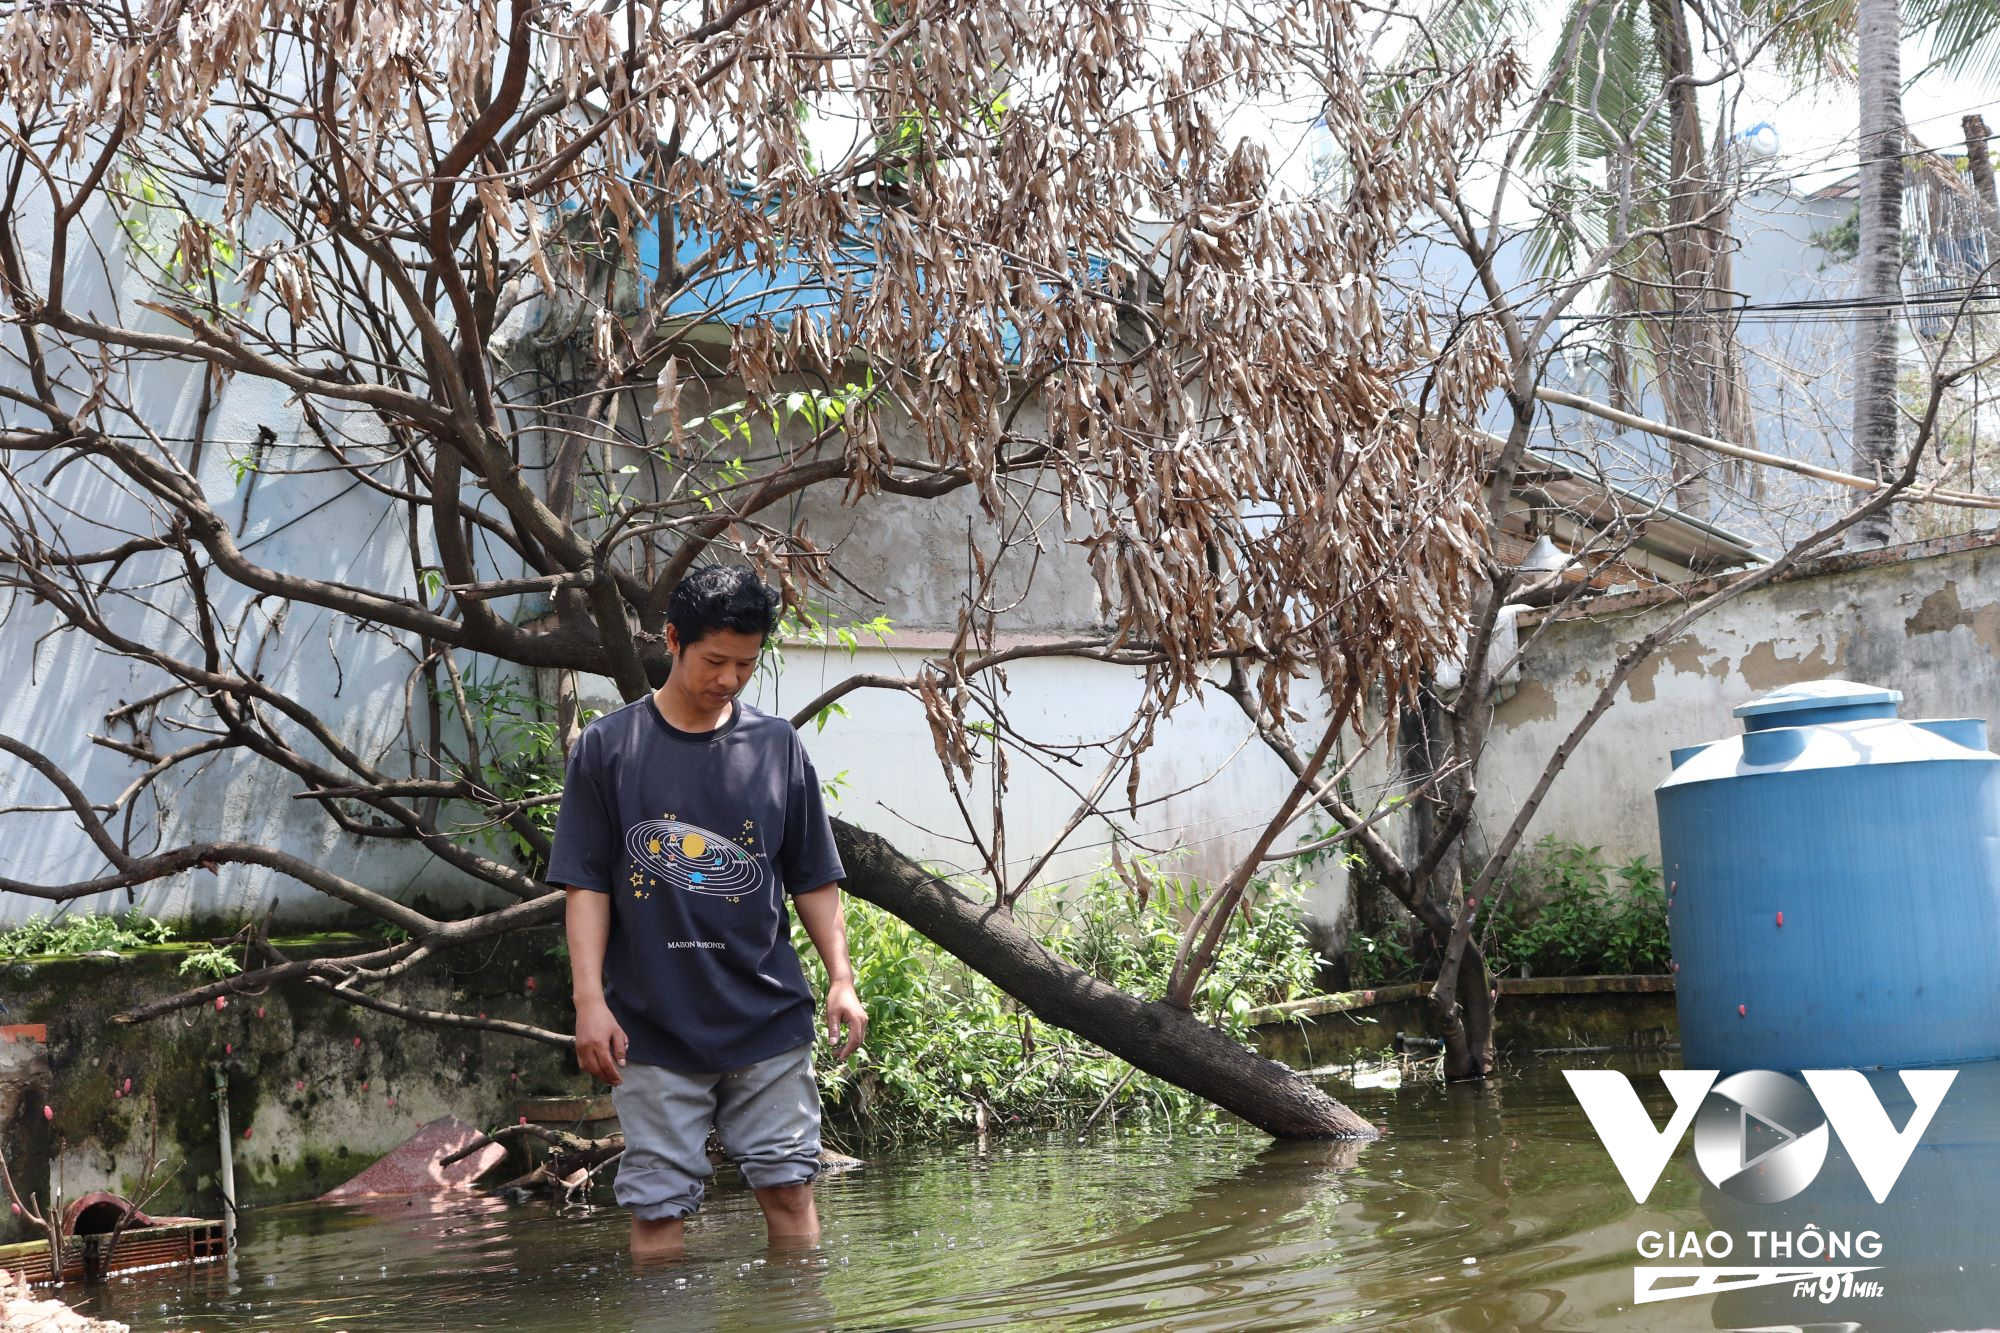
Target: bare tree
{"x": 46, "y": 1220}
{"x": 570, "y": 297}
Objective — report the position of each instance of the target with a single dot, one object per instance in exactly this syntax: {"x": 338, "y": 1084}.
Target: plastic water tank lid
{"x": 1818, "y": 694}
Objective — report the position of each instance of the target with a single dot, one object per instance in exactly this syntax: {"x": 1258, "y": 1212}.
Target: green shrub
{"x": 523, "y": 763}
{"x": 84, "y": 932}
{"x": 90, "y": 932}
{"x": 1563, "y": 912}
{"x": 210, "y": 961}
{"x": 1385, "y": 959}
{"x": 946, "y": 1046}
{"x": 1562, "y": 917}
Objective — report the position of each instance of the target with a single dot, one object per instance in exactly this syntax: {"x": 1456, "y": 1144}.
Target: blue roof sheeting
{"x": 746, "y": 285}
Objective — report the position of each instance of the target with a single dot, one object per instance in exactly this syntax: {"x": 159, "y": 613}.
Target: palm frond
{"x": 1965, "y": 35}
{"x": 1454, "y": 35}
{"x": 1604, "y": 120}
{"x": 1811, "y": 41}
{"x": 1604, "y": 94}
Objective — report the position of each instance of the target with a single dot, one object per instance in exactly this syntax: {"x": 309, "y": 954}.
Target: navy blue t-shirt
{"x": 697, "y": 837}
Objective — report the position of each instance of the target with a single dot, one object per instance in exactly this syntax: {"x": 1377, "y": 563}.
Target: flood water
{"x": 1489, "y": 1207}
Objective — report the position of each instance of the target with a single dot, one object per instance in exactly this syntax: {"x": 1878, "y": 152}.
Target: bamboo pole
{"x": 1925, "y": 494}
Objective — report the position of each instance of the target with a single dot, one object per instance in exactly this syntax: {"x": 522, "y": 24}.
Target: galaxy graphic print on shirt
{"x": 687, "y": 856}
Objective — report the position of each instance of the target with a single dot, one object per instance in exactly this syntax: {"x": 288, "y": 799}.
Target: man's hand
{"x": 820, "y": 913}
{"x": 843, "y": 1010}
{"x": 600, "y": 1042}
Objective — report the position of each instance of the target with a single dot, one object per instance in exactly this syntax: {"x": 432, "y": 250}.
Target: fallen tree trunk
{"x": 1160, "y": 1039}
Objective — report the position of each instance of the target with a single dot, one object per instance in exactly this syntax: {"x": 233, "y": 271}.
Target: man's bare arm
{"x": 600, "y": 1042}
{"x": 821, "y": 913}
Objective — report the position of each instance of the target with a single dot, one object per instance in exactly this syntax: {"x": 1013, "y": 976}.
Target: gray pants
{"x": 767, "y": 1116}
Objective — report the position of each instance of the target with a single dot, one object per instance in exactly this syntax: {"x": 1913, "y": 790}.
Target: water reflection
{"x": 1939, "y": 1267}
{"x": 1484, "y": 1209}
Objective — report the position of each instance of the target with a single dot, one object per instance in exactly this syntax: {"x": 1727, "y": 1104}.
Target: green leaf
{"x": 210, "y": 962}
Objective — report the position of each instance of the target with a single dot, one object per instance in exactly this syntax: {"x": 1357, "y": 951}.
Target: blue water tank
{"x": 1833, "y": 886}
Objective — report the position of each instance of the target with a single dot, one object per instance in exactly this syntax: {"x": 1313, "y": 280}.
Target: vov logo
{"x": 1761, "y": 1137}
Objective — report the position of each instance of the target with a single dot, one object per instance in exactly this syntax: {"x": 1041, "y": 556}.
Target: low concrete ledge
{"x": 1642, "y": 984}
{"x": 1533, "y": 1013}
{"x": 1340, "y": 1002}
{"x": 1335, "y": 1002}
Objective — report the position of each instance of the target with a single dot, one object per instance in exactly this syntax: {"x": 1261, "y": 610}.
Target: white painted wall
{"x": 1207, "y": 786}
{"x": 1217, "y": 788}
{"x": 909, "y": 554}
{"x": 58, "y": 687}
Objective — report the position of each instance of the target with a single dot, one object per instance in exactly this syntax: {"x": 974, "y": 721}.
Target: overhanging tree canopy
{"x": 1000, "y": 252}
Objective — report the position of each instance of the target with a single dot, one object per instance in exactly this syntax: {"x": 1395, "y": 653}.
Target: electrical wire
{"x": 1856, "y": 164}
{"x": 1976, "y": 297}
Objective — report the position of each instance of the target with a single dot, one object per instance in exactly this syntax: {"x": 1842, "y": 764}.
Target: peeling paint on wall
{"x": 1683, "y": 654}
{"x": 1942, "y": 612}
{"x": 1532, "y": 702}
{"x": 1939, "y": 614}
{"x": 1887, "y": 618}
{"x": 1764, "y": 668}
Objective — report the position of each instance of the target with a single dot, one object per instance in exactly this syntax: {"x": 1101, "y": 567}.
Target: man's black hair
{"x": 717, "y": 597}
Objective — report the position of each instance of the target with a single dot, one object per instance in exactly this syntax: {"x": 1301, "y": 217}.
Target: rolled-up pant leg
{"x": 665, "y": 1116}
{"x": 768, "y": 1118}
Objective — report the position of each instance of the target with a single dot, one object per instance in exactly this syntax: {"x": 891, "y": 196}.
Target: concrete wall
{"x": 318, "y": 1088}
{"x": 1924, "y": 619}
{"x": 903, "y": 558}
{"x": 1545, "y": 1015}
{"x": 1205, "y": 786}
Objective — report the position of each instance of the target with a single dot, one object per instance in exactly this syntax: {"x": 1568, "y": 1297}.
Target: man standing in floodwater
{"x": 687, "y": 819}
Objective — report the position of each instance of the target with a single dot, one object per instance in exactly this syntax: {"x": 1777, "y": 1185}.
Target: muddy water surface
{"x": 1484, "y": 1208}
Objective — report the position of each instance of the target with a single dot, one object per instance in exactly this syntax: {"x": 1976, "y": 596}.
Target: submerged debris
{"x": 22, "y": 1312}
{"x": 446, "y": 1154}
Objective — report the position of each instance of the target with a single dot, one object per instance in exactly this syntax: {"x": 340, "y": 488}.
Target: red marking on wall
{"x": 25, "y": 1032}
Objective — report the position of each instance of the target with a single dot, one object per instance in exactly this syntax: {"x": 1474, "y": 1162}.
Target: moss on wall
{"x": 317, "y": 1088}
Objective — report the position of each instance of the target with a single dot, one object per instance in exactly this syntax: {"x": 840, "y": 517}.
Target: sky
{"x": 1816, "y": 130}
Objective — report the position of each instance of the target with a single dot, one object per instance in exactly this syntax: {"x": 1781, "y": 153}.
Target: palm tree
{"x": 1879, "y": 287}
{"x": 1623, "y": 144}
